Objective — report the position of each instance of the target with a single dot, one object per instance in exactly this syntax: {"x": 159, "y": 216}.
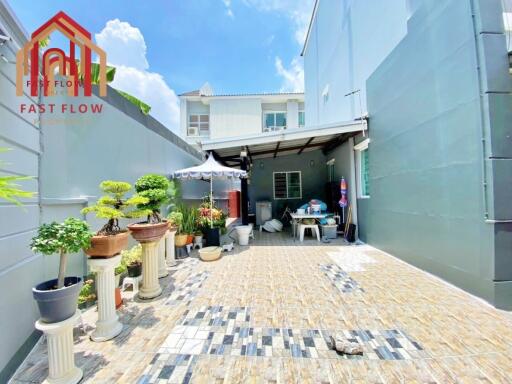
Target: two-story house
{"x": 206, "y": 116}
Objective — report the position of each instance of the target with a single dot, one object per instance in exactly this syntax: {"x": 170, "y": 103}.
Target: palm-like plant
{"x": 9, "y": 189}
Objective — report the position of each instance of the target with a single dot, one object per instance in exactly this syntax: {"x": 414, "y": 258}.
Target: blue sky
{"x": 167, "y": 47}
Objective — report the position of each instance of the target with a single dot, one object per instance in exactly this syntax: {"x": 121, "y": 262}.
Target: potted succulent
{"x": 57, "y": 298}
{"x": 176, "y": 220}
{"x": 111, "y": 238}
{"x": 154, "y": 188}
{"x": 132, "y": 258}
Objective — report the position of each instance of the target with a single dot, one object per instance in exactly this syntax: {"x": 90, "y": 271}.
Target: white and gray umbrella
{"x": 208, "y": 170}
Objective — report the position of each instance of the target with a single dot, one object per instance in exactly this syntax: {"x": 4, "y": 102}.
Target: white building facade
{"x": 205, "y": 116}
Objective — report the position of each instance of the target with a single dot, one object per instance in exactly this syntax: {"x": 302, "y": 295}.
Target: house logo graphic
{"x": 54, "y": 60}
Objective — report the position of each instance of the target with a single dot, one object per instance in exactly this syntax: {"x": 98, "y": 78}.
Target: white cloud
{"x": 229, "y": 10}
{"x": 293, "y": 76}
{"x": 298, "y": 11}
{"x": 126, "y": 50}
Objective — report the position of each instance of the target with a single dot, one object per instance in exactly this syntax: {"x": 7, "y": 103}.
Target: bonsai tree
{"x": 68, "y": 237}
{"x": 113, "y": 206}
{"x": 154, "y": 188}
{"x": 9, "y": 190}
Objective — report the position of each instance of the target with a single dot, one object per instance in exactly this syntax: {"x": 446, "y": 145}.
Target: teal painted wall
{"x": 313, "y": 179}
{"x": 429, "y": 114}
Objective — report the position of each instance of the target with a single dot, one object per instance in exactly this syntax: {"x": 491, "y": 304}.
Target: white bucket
{"x": 243, "y": 232}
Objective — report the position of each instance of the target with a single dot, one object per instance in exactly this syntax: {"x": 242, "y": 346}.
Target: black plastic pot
{"x": 212, "y": 237}
{"x": 134, "y": 270}
{"x": 57, "y": 305}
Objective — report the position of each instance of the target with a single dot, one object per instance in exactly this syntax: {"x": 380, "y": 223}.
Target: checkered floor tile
{"x": 340, "y": 279}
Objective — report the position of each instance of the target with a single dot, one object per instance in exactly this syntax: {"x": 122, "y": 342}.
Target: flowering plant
{"x": 210, "y": 217}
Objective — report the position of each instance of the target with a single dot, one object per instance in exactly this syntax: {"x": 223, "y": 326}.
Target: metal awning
{"x": 282, "y": 143}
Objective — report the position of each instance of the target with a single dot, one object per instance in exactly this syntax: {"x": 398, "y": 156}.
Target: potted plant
{"x": 176, "y": 220}
{"x": 57, "y": 298}
{"x": 111, "y": 238}
{"x": 211, "y": 221}
{"x": 154, "y": 188}
{"x": 87, "y": 295}
{"x": 132, "y": 258}
{"x": 198, "y": 237}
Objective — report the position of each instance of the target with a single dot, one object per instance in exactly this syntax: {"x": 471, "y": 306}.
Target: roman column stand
{"x": 150, "y": 286}
{"x": 61, "y": 360}
{"x": 162, "y": 266}
{"x": 108, "y": 325}
{"x": 170, "y": 248}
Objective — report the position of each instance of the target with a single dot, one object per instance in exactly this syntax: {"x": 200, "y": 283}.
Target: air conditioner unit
{"x": 192, "y": 131}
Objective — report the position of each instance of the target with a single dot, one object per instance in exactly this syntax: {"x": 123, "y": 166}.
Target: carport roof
{"x": 281, "y": 143}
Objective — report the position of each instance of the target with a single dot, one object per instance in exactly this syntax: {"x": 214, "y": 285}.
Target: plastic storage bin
{"x": 329, "y": 231}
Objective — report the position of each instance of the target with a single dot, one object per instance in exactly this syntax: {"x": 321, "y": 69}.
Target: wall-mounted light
{"x": 312, "y": 163}
{"x": 262, "y": 165}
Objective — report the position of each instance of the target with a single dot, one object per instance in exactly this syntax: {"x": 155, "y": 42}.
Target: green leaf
{"x": 144, "y": 108}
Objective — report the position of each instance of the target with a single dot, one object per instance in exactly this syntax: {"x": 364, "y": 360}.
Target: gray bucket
{"x": 57, "y": 304}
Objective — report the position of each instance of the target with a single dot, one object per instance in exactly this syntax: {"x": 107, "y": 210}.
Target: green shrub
{"x": 154, "y": 188}
{"x": 132, "y": 256}
{"x": 70, "y": 236}
{"x": 176, "y": 220}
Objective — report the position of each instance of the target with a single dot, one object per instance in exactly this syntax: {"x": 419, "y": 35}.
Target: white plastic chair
{"x": 313, "y": 227}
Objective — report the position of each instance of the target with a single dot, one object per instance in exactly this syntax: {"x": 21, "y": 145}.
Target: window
{"x": 287, "y": 185}
{"x": 363, "y": 170}
{"x": 274, "y": 121}
{"x": 198, "y": 125}
{"x": 302, "y": 119}
{"x": 330, "y": 170}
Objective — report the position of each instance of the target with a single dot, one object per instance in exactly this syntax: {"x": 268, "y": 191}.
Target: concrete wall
{"x": 20, "y": 269}
{"x": 430, "y": 106}
{"x": 347, "y": 41}
{"x": 313, "y": 179}
{"x": 68, "y": 155}
{"x": 235, "y": 117}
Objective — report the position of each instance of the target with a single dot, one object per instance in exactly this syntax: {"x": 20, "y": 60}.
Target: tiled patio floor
{"x": 263, "y": 314}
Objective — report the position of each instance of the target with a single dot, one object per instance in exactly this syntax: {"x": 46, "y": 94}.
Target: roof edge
{"x": 313, "y": 14}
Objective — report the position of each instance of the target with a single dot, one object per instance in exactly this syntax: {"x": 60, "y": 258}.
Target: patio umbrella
{"x": 208, "y": 170}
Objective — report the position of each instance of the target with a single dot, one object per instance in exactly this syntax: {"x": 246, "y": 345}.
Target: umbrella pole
{"x": 211, "y": 201}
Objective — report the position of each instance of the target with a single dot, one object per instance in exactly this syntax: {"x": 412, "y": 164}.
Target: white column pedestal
{"x": 162, "y": 266}
{"x": 170, "y": 249}
{"x": 108, "y": 325}
{"x": 61, "y": 360}
{"x": 150, "y": 286}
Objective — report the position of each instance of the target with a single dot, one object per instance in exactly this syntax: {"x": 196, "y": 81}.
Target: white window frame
{"x": 298, "y": 119}
{"x": 359, "y": 148}
{"x": 273, "y": 128}
{"x": 198, "y": 124}
{"x": 287, "y": 197}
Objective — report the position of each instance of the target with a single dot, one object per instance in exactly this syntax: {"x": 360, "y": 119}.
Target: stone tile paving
{"x": 263, "y": 314}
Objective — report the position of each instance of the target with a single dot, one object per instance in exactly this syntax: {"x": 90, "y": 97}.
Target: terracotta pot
{"x": 107, "y": 246}
{"x": 119, "y": 299}
{"x": 180, "y": 240}
{"x": 146, "y": 233}
{"x": 190, "y": 239}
